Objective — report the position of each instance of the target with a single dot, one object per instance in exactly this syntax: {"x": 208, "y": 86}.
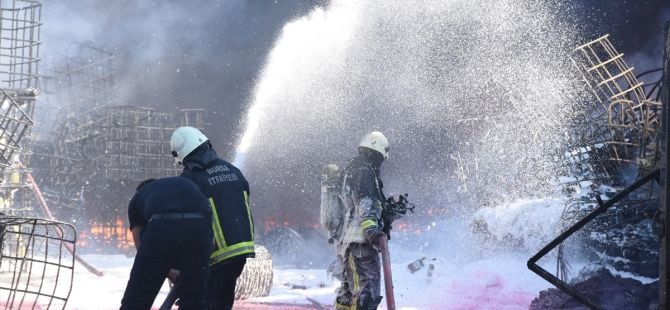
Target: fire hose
{"x": 388, "y": 278}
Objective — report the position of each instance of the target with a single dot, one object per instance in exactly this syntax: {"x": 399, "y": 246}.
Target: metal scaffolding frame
{"x": 119, "y": 143}
{"x": 97, "y": 155}
{"x": 20, "y": 22}
{"x": 85, "y": 80}
{"x": 19, "y": 58}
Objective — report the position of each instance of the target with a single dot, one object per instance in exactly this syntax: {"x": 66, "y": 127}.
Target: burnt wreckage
{"x": 616, "y": 154}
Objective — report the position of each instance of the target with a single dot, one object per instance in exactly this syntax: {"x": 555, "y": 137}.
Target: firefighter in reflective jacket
{"x": 363, "y": 197}
{"x": 228, "y": 193}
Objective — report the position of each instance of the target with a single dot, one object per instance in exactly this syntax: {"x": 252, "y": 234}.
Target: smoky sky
{"x": 175, "y": 54}
{"x": 635, "y": 27}
{"x": 208, "y": 54}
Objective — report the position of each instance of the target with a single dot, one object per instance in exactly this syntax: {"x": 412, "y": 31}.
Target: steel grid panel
{"x": 36, "y": 263}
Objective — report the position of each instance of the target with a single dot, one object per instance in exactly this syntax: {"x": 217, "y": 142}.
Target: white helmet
{"x": 376, "y": 141}
{"x": 184, "y": 140}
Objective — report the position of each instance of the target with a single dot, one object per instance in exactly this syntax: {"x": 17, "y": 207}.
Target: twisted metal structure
{"x": 617, "y": 156}
{"x": 621, "y": 125}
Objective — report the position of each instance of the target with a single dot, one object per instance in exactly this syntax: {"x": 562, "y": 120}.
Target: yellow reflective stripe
{"x": 231, "y": 251}
{"x": 377, "y": 204}
{"x": 251, "y": 222}
{"x": 216, "y": 227}
{"x": 352, "y": 266}
{"x": 339, "y": 306}
{"x": 367, "y": 224}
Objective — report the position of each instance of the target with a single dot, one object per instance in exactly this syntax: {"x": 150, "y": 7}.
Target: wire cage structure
{"x": 123, "y": 143}
{"x": 20, "y": 22}
{"x": 16, "y": 111}
{"x": 621, "y": 124}
{"x": 81, "y": 81}
{"x": 97, "y": 148}
{"x": 36, "y": 263}
{"x": 619, "y": 129}
{"x": 98, "y": 156}
{"x": 84, "y": 80}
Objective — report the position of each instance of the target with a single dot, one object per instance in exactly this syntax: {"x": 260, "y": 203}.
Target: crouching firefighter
{"x": 362, "y": 225}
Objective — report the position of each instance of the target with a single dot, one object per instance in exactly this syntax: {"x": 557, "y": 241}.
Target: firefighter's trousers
{"x": 360, "y": 288}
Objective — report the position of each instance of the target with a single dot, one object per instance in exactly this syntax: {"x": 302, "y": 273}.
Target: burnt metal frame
{"x": 603, "y": 206}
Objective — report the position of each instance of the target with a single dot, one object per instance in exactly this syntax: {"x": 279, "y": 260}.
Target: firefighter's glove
{"x": 372, "y": 235}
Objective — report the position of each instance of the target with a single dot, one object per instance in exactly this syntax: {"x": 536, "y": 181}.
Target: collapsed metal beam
{"x": 603, "y": 206}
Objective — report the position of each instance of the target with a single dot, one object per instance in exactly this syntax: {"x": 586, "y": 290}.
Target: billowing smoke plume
{"x": 174, "y": 54}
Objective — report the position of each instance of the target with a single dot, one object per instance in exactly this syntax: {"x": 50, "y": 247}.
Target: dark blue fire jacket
{"x": 228, "y": 193}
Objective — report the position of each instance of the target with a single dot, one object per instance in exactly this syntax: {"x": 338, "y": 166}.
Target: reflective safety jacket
{"x": 363, "y": 197}
{"x": 228, "y": 193}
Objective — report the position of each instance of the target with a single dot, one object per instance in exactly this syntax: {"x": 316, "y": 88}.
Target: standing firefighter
{"x": 362, "y": 225}
{"x": 170, "y": 220}
{"x": 228, "y": 193}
